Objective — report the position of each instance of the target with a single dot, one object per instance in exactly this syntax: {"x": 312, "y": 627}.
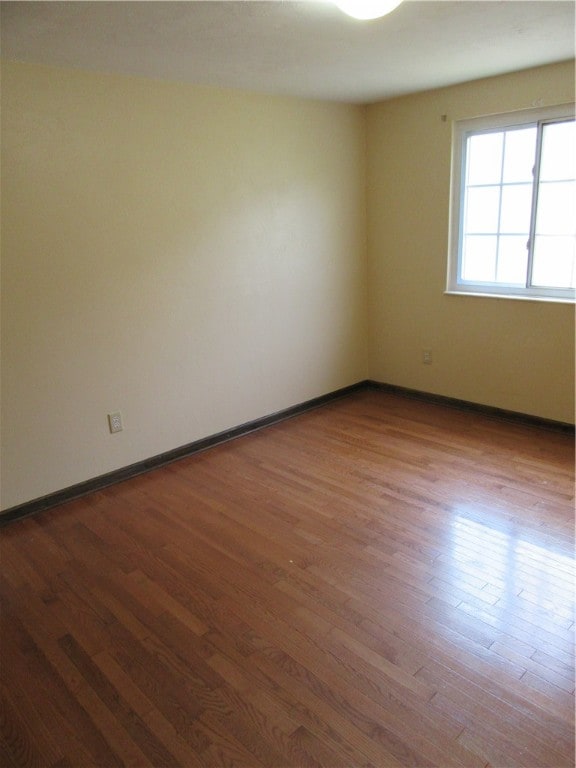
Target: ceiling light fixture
{"x": 367, "y": 9}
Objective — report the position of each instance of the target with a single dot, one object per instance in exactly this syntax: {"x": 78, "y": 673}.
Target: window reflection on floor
{"x": 519, "y": 573}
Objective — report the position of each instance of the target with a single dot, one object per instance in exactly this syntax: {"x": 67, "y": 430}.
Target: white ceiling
{"x": 307, "y": 48}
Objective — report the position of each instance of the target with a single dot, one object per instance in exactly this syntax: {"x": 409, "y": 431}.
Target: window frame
{"x": 461, "y": 130}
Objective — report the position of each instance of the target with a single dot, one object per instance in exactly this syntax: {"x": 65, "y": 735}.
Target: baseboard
{"x": 501, "y": 414}
{"x": 111, "y": 478}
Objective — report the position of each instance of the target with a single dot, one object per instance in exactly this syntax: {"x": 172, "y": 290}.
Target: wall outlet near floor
{"x": 115, "y": 421}
{"x": 427, "y": 356}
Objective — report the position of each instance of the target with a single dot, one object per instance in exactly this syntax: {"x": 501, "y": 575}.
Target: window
{"x": 513, "y": 214}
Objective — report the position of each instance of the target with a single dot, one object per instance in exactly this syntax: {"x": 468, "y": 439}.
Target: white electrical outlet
{"x": 427, "y": 357}
{"x": 115, "y": 421}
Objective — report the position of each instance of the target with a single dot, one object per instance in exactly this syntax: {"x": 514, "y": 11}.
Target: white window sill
{"x": 515, "y": 297}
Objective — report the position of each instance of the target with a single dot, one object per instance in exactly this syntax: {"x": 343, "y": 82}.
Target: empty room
{"x": 287, "y": 384}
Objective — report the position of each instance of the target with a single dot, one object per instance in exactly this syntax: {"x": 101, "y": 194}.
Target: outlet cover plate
{"x": 115, "y": 422}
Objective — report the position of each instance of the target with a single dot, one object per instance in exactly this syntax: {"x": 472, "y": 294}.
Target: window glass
{"x": 553, "y": 262}
{"x": 482, "y": 208}
{"x": 512, "y": 260}
{"x": 516, "y": 210}
{"x": 485, "y": 158}
{"x": 514, "y": 215}
{"x": 479, "y": 258}
{"x": 519, "y": 155}
{"x": 558, "y": 152}
{"x": 556, "y": 211}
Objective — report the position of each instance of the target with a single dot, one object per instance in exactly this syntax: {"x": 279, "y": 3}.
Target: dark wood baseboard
{"x": 97, "y": 483}
{"x": 465, "y": 405}
{"x": 102, "y": 481}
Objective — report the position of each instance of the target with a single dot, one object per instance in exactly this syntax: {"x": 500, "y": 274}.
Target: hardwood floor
{"x": 379, "y": 582}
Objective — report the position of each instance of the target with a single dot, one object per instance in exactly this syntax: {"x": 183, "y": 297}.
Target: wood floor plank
{"x": 54, "y": 694}
{"x": 185, "y": 754}
{"x": 380, "y": 582}
{"x": 156, "y": 752}
{"x": 519, "y": 712}
{"x": 24, "y": 742}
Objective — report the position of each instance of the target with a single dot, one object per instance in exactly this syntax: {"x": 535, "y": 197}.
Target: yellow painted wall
{"x": 194, "y": 258}
{"x": 517, "y": 355}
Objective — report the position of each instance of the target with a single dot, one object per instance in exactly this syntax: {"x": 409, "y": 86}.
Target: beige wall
{"x": 194, "y": 258}
{"x": 517, "y": 355}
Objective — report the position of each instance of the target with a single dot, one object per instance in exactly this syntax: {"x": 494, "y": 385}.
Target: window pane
{"x": 513, "y": 222}
{"x": 482, "y": 205}
{"x": 556, "y": 208}
{"x": 512, "y": 260}
{"x": 553, "y": 262}
{"x": 558, "y": 159}
{"x": 519, "y": 154}
{"x": 484, "y": 152}
{"x": 479, "y": 258}
{"x": 516, "y": 209}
